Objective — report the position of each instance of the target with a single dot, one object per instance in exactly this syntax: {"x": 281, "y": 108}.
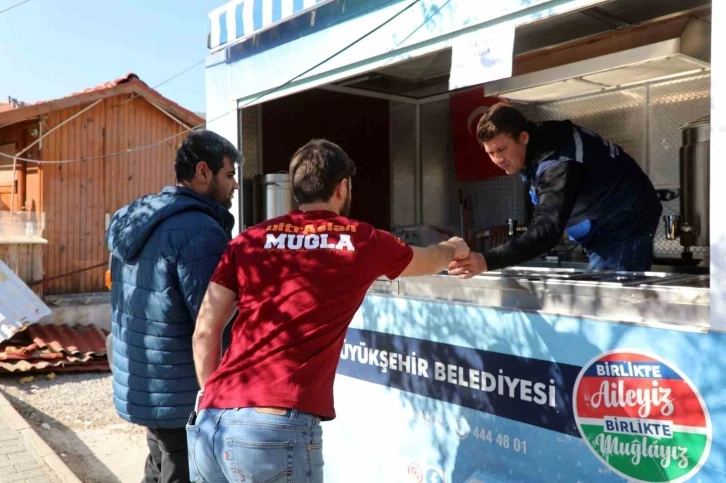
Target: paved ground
{"x": 24, "y": 457}
{"x": 74, "y": 414}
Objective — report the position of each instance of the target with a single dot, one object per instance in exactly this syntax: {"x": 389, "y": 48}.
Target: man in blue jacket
{"x": 165, "y": 248}
{"x": 579, "y": 183}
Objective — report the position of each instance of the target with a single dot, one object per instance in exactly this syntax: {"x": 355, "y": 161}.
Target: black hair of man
{"x": 207, "y": 146}
{"x": 500, "y": 119}
{"x": 315, "y": 170}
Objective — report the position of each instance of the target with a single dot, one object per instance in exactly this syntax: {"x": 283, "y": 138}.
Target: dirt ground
{"x": 74, "y": 414}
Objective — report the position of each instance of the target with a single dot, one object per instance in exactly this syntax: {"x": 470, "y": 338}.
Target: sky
{"x": 52, "y": 48}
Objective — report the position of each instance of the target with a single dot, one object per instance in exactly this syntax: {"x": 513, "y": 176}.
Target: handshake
{"x": 466, "y": 264}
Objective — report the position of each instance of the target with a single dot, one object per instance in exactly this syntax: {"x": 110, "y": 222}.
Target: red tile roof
{"x": 4, "y": 106}
{"x": 139, "y": 87}
{"x": 106, "y": 85}
{"x": 55, "y": 347}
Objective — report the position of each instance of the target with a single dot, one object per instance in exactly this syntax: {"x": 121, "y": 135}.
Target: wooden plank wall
{"x": 76, "y": 196}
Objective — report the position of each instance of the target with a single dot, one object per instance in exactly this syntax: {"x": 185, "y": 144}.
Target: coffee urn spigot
{"x": 514, "y": 229}
{"x": 512, "y": 224}
{"x": 672, "y": 225}
{"x": 676, "y": 227}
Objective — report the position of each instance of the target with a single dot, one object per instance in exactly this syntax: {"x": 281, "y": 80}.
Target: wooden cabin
{"x": 71, "y": 202}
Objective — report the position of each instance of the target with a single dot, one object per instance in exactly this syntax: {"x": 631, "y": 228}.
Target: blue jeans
{"x": 632, "y": 255}
{"x": 247, "y": 446}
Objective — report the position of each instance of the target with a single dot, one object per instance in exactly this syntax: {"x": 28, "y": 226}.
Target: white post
{"x": 223, "y": 118}
{"x": 718, "y": 169}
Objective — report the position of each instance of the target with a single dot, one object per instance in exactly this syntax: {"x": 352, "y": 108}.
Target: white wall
{"x": 718, "y": 169}
{"x": 424, "y": 28}
{"x": 223, "y": 118}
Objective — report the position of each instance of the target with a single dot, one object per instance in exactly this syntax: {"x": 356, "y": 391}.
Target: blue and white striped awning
{"x": 240, "y": 19}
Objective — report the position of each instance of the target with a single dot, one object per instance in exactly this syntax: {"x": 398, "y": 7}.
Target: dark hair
{"x": 316, "y": 168}
{"x": 205, "y": 146}
{"x": 500, "y": 119}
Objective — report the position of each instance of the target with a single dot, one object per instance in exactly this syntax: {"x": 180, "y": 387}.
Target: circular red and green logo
{"x": 642, "y": 417}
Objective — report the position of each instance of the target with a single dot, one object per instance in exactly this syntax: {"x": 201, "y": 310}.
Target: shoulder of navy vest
{"x": 533, "y": 167}
{"x": 544, "y": 156}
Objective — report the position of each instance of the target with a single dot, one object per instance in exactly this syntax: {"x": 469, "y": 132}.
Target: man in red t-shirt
{"x": 297, "y": 281}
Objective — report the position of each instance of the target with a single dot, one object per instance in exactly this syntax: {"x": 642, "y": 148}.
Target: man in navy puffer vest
{"x": 165, "y": 248}
{"x": 580, "y": 183}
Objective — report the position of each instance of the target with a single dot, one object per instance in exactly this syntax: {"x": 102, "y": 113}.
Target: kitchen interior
{"x": 637, "y": 73}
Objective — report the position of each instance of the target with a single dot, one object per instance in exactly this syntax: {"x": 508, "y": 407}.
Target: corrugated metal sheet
{"x": 79, "y": 339}
{"x": 19, "y": 306}
{"x": 55, "y": 347}
{"x": 46, "y": 366}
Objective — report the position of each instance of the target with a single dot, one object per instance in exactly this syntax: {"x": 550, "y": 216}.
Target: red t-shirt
{"x": 300, "y": 279}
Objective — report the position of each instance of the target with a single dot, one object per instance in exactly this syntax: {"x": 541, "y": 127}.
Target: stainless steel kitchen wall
{"x": 250, "y": 142}
{"x": 491, "y": 201}
{"x": 403, "y": 164}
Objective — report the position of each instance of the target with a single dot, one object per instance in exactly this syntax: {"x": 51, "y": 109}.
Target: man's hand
{"x": 471, "y": 266}
{"x": 435, "y": 258}
{"x": 461, "y": 249}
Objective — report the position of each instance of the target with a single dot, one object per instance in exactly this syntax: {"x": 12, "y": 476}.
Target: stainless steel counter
{"x": 671, "y": 268}
{"x": 680, "y": 301}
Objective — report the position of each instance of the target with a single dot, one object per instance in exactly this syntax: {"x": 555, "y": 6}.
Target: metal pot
{"x": 695, "y": 174}
{"x": 273, "y": 196}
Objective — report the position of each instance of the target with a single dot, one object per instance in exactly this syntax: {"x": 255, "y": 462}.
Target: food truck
{"x": 544, "y": 372}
